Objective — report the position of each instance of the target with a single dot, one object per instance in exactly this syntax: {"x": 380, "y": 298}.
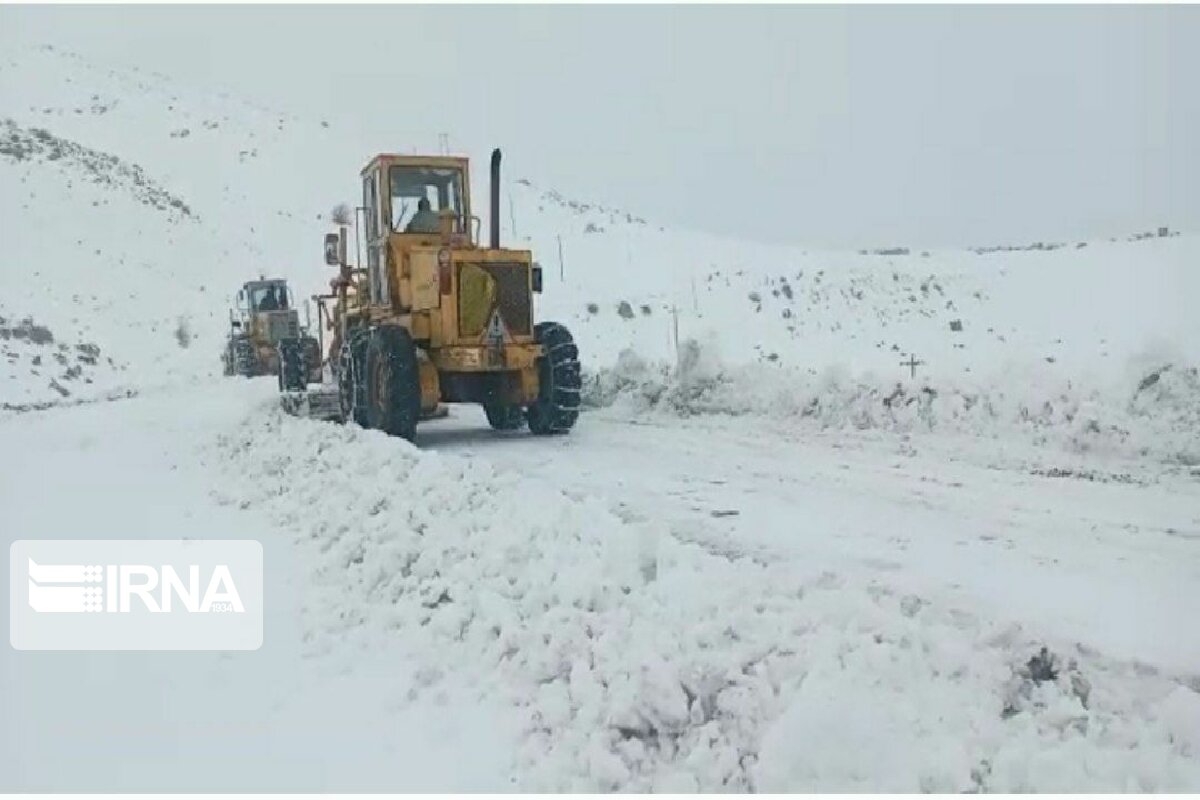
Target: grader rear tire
{"x": 504, "y": 417}
{"x": 559, "y": 381}
{"x": 393, "y": 382}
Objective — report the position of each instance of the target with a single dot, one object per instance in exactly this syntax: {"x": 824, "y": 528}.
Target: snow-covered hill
{"x": 744, "y": 570}
{"x": 962, "y": 312}
{"x": 172, "y": 197}
{"x": 133, "y": 212}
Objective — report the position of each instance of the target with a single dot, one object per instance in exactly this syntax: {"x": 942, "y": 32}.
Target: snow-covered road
{"x": 1108, "y": 557}
{"x": 648, "y": 603}
{"x": 269, "y": 720}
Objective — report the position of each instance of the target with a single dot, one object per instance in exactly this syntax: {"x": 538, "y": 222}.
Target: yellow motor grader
{"x": 431, "y": 315}
{"x": 265, "y": 332}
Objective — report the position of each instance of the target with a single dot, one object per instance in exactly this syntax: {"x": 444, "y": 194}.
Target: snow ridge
{"x": 636, "y": 661}
{"x": 1155, "y": 415}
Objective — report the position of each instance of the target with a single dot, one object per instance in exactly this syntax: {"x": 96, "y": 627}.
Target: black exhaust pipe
{"x": 495, "y": 243}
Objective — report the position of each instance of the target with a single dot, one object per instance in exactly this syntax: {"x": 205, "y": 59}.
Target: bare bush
{"x": 183, "y": 333}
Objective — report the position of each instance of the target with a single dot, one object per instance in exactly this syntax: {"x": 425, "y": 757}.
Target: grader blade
{"x": 317, "y": 402}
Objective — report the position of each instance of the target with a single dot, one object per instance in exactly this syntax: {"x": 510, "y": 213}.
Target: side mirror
{"x": 536, "y": 278}
{"x": 333, "y": 249}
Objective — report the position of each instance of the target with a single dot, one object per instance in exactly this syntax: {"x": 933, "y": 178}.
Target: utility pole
{"x": 444, "y": 143}
{"x": 560, "y": 259}
{"x": 675, "y": 327}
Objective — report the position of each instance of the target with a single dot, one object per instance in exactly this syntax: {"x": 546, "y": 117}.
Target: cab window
{"x": 268, "y": 297}
{"x": 441, "y": 186}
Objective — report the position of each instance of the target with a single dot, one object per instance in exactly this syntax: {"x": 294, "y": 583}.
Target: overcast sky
{"x": 825, "y": 125}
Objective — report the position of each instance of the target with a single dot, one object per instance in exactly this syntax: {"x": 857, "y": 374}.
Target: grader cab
{"x": 433, "y": 315}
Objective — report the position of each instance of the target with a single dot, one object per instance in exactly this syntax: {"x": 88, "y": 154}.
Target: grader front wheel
{"x": 559, "y": 381}
{"x": 351, "y": 366}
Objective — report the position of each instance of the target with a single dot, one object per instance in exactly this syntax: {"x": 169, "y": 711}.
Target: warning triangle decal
{"x": 496, "y": 331}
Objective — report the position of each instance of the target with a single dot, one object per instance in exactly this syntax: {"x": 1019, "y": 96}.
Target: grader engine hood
{"x": 271, "y": 326}
{"x": 494, "y": 299}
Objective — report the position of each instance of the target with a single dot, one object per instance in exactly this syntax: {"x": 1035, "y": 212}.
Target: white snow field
{"x": 769, "y": 557}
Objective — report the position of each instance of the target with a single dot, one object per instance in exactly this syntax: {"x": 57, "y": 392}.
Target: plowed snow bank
{"x": 636, "y": 661}
{"x": 1153, "y": 412}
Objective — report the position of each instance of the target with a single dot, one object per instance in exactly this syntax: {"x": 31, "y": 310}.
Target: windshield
{"x": 420, "y": 194}
{"x": 268, "y": 296}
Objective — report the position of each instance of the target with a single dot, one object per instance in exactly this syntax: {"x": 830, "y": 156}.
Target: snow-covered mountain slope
{"x": 1087, "y": 307}
{"x": 173, "y": 196}
{"x": 133, "y": 211}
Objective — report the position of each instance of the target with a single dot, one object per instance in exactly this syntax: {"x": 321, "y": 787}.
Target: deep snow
{"x": 647, "y": 649}
{"x": 743, "y": 570}
{"x": 267, "y": 720}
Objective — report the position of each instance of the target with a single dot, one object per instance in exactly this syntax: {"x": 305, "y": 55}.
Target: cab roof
{"x": 393, "y": 159}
